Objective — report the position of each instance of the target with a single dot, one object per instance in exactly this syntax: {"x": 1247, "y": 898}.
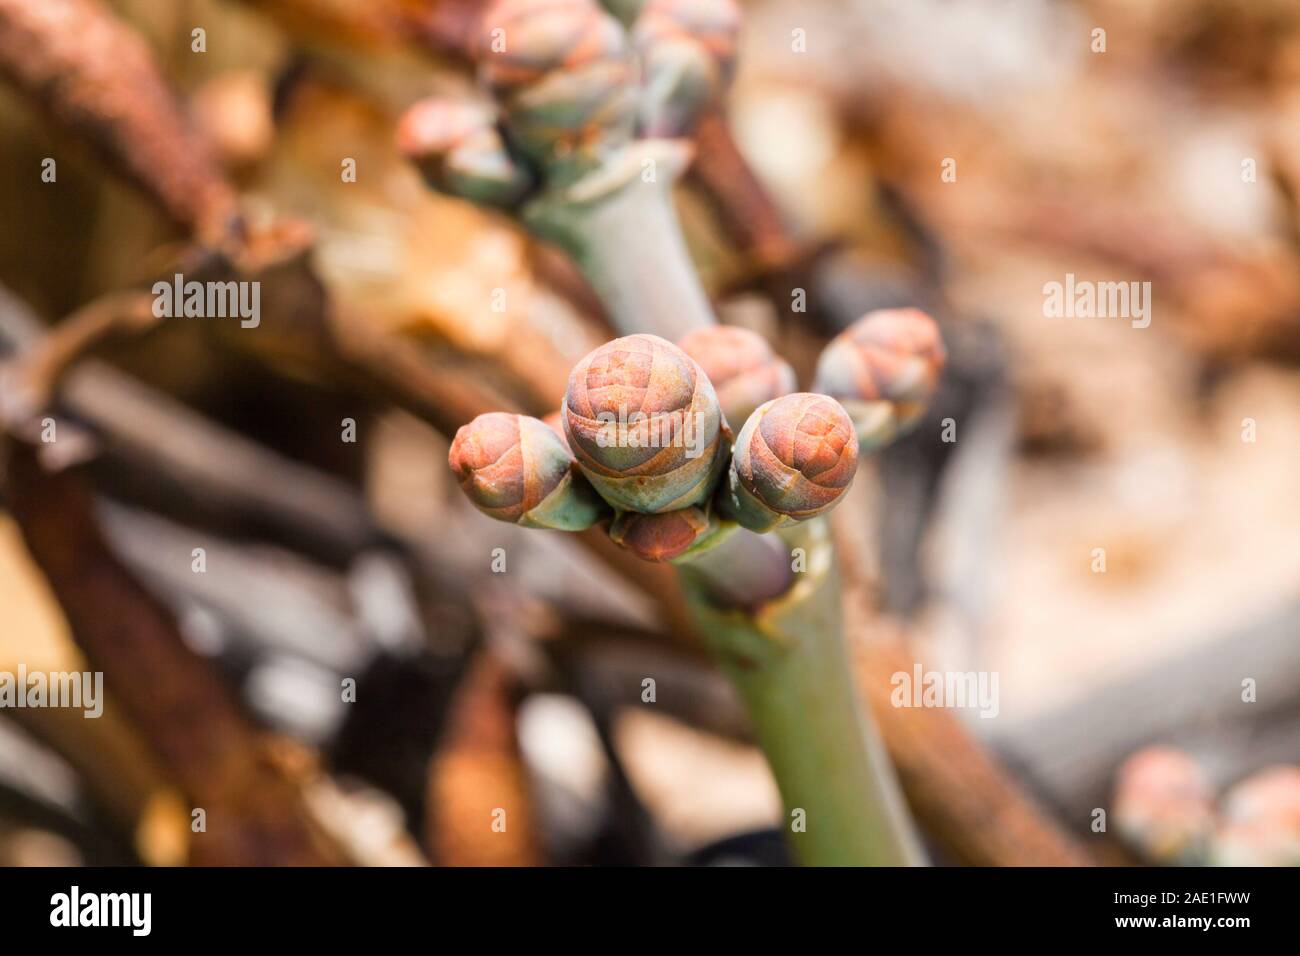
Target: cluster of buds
{"x": 581, "y": 138}
{"x": 645, "y": 444}
{"x": 1165, "y": 808}
{"x": 572, "y": 86}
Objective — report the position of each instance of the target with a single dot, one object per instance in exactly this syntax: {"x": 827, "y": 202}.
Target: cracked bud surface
{"x": 644, "y": 425}
{"x": 794, "y": 459}
{"x": 515, "y": 469}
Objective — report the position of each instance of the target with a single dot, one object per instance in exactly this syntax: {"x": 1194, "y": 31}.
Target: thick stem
{"x": 788, "y": 660}
{"x": 619, "y": 225}
{"x": 740, "y": 569}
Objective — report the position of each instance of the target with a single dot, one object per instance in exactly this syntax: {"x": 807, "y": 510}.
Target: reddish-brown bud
{"x": 885, "y": 368}
{"x": 660, "y": 537}
{"x": 644, "y": 425}
{"x": 744, "y": 370}
{"x": 514, "y": 468}
{"x": 794, "y": 459}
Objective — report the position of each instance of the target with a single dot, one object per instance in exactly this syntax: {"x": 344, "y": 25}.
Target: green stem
{"x": 737, "y": 568}
{"x": 625, "y": 10}
{"x": 780, "y": 643}
{"x": 619, "y": 225}
{"x": 789, "y": 663}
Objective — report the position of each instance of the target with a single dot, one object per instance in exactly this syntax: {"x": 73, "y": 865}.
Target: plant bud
{"x": 688, "y": 56}
{"x": 794, "y": 459}
{"x": 565, "y": 75}
{"x": 458, "y": 150}
{"x": 514, "y": 468}
{"x": 644, "y": 425}
{"x": 1261, "y": 821}
{"x": 742, "y": 367}
{"x": 1163, "y": 805}
{"x": 885, "y": 369}
{"x": 660, "y": 537}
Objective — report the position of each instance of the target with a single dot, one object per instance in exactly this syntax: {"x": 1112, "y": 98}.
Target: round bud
{"x": 644, "y": 425}
{"x": 458, "y": 150}
{"x": 660, "y": 537}
{"x": 1261, "y": 821}
{"x": 688, "y": 57}
{"x": 885, "y": 368}
{"x": 1163, "y": 805}
{"x": 514, "y": 468}
{"x": 564, "y": 74}
{"x": 794, "y": 459}
{"x": 744, "y": 370}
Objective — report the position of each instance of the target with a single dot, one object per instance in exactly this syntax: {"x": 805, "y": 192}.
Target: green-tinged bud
{"x": 565, "y": 75}
{"x": 794, "y": 459}
{"x": 1260, "y": 821}
{"x": 661, "y": 537}
{"x": 1164, "y": 806}
{"x": 458, "y": 150}
{"x": 688, "y": 57}
{"x": 644, "y": 425}
{"x": 885, "y": 369}
{"x": 744, "y": 370}
{"x": 514, "y": 468}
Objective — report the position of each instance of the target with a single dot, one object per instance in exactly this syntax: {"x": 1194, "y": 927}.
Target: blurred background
{"x": 254, "y": 535}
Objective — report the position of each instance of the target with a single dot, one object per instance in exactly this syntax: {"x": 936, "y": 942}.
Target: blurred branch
{"x": 479, "y": 805}
{"x": 29, "y": 384}
{"x": 446, "y": 28}
{"x": 253, "y": 799}
{"x": 744, "y": 208}
{"x": 187, "y": 458}
{"x": 112, "y": 759}
{"x": 97, "y": 78}
{"x": 970, "y": 806}
{"x": 169, "y": 456}
{"x": 1192, "y": 700}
